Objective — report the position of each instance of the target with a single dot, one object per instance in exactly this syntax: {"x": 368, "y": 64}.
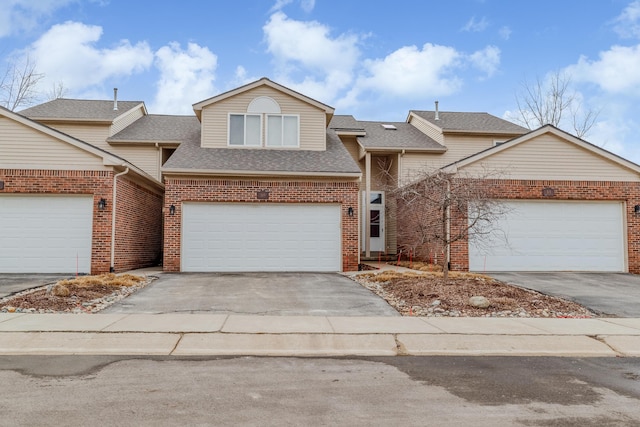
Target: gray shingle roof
{"x": 80, "y": 109}
{"x": 344, "y": 122}
{"x": 159, "y": 128}
{"x": 470, "y": 122}
{"x": 405, "y": 136}
{"x": 190, "y": 155}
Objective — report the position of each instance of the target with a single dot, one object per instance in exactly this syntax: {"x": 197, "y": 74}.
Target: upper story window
{"x": 245, "y": 129}
{"x": 264, "y": 126}
{"x": 282, "y": 131}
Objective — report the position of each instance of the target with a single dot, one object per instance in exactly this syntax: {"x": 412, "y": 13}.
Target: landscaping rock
{"x": 479, "y": 302}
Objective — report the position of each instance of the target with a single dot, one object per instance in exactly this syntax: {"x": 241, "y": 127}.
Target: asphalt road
{"x": 402, "y": 391}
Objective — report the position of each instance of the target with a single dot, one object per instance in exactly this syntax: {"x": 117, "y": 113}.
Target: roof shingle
{"x": 191, "y": 156}
{"x": 470, "y": 122}
{"x": 404, "y": 136}
{"x": 159, "y": 128}
{"x": 79, "y": 109}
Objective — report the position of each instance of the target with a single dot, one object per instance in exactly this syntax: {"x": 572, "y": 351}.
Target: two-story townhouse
{"x": 263, "y": 178}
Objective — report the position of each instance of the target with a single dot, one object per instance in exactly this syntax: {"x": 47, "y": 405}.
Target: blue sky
{"x": 372, "y": 59}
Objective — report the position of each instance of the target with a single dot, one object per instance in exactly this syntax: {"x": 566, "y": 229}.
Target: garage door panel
{"x": 554, "y": 236}
{"x": 260, "y": 237}
{"x": 45, "y": 234}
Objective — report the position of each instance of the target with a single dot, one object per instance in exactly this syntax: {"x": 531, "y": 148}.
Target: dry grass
{"x": 86, "y": 294}
{"x": 108, "y": 279}
{"x": 385, "y": 276}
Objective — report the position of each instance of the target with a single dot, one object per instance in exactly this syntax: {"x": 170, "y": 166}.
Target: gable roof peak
{"x": 264, "y": 81}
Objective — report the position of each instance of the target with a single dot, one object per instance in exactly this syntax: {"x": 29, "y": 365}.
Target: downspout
{"x": 113, "y": 220}
{"x": 367, "y": 205}
{"x": 448, "y": 227}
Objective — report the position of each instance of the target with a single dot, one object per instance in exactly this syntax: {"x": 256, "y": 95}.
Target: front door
{"x": 376, "y": 226}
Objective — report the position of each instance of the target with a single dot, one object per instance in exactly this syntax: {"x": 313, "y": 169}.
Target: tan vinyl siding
{"x": 125, "y": 120}
{"x": 550, "y": 157}
{"x": 145, "y": 157}
{"x": 426, "y": 128}
{"x": 22, "y": 147}
{"x": 352, "y": 147}
{"x": 391, "y": 232}
{"x": 93, "y": 134}
{"x": 215, "y": 118}
{"x": 458, "y": 147}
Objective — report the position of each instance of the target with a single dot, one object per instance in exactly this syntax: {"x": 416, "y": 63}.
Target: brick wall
{"x": 138, "y": 226}
{"x": 96, "y": 183}
{"x": 628, "y": 192}
{"x": 138, "y": 223}
{"x": 245, "y": 191}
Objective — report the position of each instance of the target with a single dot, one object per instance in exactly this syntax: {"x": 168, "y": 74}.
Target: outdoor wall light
{"x": 102, "y": 204}
{"x": 636, "y": 208}
{"x": 172, "y": 210}
{"x": 350, "y": 211}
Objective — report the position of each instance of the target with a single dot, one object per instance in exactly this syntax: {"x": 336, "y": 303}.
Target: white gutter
{"x": 113, "y": 220}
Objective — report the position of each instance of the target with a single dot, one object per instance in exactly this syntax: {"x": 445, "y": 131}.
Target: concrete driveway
{"x": 293, "y": 294}
{"x": 11, "y": 283}
{"x": 615, "y": 294}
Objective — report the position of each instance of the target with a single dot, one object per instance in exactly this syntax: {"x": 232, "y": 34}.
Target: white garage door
{"x": 260, "y": 237}
{"x": 554, "y": 236}
{"x": 45, "y": 234}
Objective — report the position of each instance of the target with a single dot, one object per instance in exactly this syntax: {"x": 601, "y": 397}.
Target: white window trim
{"x": 266, "y": 131}
{"x": 261, "y": 143}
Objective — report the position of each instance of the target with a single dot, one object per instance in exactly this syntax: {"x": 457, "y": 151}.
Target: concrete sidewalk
{"x": 220, "y": 334}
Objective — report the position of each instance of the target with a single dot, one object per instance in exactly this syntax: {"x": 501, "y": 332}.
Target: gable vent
{"x": 389, "y": 127}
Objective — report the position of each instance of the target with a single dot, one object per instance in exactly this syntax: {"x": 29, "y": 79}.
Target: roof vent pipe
{"x": 115, "y": 99}
{"x": 437, "y": 113}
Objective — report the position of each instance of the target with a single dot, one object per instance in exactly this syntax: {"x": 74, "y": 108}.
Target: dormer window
{"x": 282, "y": 131}
{"x": 245, "y": 129}
{"x": 263, "y": 125}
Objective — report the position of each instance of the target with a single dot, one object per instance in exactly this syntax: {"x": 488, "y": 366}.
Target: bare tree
{"x": 552, "y": 101}
{"x": 441, "y": 208}
{"x": 18, "y": 86}
{"x": 57, "y": 91}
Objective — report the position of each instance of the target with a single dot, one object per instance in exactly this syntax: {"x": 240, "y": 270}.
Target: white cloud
{"x": 78, "y": 63}
{"x": 306, "y": 50}
{"x": 279, "y": 4}
{"x": 505, "y": 32}
{"x": 627, "y": 24}
{"x": 186, "y": 77}
{"x": 410, "y": 71}
{"x": 24, "y": 15}
{"x": 486, "y": 60}
{"x": 475, "y": 26}
{"x": 307, "y": 5}
{"x": 241, "y": 78}
{"x": 615, "y": 71}
{"x": 328, "y": 67}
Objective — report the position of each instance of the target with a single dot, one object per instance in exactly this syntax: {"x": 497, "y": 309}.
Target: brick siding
{"x": 138, "y": 226}
{"x": 245, "y": 191}
{"x": 134, "y": 201}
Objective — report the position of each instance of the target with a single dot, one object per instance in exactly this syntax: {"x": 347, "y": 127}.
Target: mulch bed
{"x": 428, "y": 294}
